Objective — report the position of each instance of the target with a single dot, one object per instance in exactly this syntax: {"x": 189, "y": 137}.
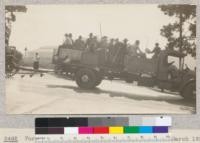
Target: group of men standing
{"x": 112, "y": 51}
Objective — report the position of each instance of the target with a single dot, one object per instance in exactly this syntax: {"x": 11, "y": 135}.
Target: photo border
{"x": 26, "y": 121}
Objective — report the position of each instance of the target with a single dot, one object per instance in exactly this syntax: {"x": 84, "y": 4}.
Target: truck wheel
{"x": 99, "y": 79}
{"x": 189, "y": 91}
{"x": 86, "y": 79}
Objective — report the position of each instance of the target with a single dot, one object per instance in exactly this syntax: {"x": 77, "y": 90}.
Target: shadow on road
{"x": 96, "y": 91}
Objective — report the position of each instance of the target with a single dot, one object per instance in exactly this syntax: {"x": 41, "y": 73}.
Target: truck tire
{"x": 189, "y": 91}
{"x": 86, "y": 79}
{"x": 99, "y": 79}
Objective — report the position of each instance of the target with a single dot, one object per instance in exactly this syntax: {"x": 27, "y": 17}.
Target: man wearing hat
{"x": 117, "y": 46}
{"x": 68, "y": 40}
{"x": 156, "y": 51}
{"x": 125, "y": 42}
{"x": 111, "y": 50}
{"x": 102, "y": 50}
{"x": 79, "y": 43}
{"x": 103, "y": 43}
{"x": 71, "y": 39}
{"x": 122, "y": 53}
{"x": 90, "y": 43}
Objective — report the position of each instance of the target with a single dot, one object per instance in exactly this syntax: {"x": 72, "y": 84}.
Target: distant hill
{"x": 45, "y": 54}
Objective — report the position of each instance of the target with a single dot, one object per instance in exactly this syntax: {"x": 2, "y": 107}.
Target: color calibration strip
{"x": 102, "y": 130}
{"x": 115, "y": 125}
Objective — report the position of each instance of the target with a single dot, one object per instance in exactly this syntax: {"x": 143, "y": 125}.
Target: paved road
{"x": 56, "y": 95}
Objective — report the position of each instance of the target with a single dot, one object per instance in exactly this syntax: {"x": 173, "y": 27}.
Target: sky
{"x": 45, "y": 25}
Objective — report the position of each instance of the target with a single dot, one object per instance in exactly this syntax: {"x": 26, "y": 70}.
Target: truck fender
{"x": 96, "y": 70}
{"x": 187, "y": 83}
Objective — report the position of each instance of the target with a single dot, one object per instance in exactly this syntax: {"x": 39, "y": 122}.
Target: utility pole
{"x": 100, "y": 30}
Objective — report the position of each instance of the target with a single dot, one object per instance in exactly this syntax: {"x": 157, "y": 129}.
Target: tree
{"x": 10, "y": 17}
{"x": 181, "y": 34}
{"x": 13, "y": 56}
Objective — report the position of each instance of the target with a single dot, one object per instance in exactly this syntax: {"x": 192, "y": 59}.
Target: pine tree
{"x": 181, "y": 34}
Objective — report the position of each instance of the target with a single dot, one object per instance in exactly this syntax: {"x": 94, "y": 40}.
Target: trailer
{"x": 88, "y": 70}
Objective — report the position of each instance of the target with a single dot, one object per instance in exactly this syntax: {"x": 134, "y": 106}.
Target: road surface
{"x": 57, "y": 95}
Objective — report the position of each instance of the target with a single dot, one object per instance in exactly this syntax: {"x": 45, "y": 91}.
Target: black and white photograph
{"x": 100, "y": 59}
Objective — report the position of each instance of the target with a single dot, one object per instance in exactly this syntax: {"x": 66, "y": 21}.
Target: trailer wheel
{"x": 86, "y": 79}
{"x": 189, "y": 91}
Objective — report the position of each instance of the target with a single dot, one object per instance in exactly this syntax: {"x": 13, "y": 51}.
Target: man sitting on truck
{"x": 95, "y": 43}
{"x": 117, "y": 45}
{"x": 71, "y": 39}
{"x": 121, "y": 53}
{"x": 156, "y": 51}
{"x": 111, "y": 50}
{"x": 102, "y": 50}
{"x": 135, "y": 49}
{"x": 79, "y": 43}
{"x": 68, "y": 42}
{"x": 90, "y": 44}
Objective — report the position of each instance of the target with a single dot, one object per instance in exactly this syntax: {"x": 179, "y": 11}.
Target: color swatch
{"x": 116, "y": 130}
{"x": 78, "y": 126}
{"x": 101, "y": 130}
